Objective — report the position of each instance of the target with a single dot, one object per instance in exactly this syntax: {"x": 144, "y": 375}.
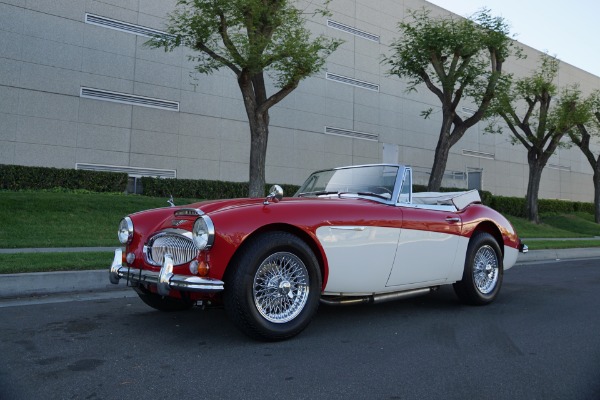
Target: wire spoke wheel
{"x": 485, "y": 269}
{"x": 483, "y": 272}
{"x": 281, "y": 287}
{"x": 273, "y": 286}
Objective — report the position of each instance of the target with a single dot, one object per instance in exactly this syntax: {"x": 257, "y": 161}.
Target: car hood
{"x": 158, "y": 219}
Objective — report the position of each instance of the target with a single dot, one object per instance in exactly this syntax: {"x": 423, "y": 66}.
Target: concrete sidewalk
{"x": 13, "y": 286}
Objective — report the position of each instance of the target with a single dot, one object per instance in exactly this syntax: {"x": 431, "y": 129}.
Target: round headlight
{"x": 125, "y": 232}
{"x": 203, "y": 233}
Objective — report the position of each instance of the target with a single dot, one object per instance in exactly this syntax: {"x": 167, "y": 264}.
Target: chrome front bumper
{"x": 523, "y": 247}
{"x": 164, "y": 280}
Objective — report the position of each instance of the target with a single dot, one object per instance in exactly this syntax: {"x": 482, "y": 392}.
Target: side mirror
{"x": 275, "y": 194}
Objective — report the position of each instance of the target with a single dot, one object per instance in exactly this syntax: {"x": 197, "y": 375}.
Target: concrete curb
{"x": 558, "y": 254}
{"x": 48, "y": 283}
{"x": 52, "y": 283}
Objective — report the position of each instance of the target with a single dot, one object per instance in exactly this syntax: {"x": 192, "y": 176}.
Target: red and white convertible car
{"x": 350, "y": 235}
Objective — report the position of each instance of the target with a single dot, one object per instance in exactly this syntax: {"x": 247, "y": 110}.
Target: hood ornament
{"x": 171, "y": 201}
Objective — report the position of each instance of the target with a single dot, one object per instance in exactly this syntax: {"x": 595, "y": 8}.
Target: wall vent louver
{"x": 478, "y": 154}
{"x": 131, "y": 99}
{"x": 135, "y": 172}
{"x": 123, "y": 26}
{"x": 353, "y": 134}
{"x": 468, "y": 111}
{"x": 352, "y": 30}
{"x": 560, "y": 167}
{"x": 352, "y": 81}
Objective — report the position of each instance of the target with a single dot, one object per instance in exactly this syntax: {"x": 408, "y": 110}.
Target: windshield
{"x": 370, "y": 180}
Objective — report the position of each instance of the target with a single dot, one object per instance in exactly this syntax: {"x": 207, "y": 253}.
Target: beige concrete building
{"x": 78, "y": 89}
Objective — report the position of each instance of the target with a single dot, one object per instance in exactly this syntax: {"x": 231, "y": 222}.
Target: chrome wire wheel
{"x": 485, "y": 269}
{"x": 281, "y": 287}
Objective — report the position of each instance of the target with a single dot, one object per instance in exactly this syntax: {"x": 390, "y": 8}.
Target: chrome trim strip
{"x": 349, "y": 228}
{"x": 186, "y": 283}
{"x": 196, "y": 212}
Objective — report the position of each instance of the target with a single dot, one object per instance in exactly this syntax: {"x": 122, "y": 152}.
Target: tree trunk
{"x": 533, "y": 189}
{"x": 439, "y": 164}
{"x": 253, "y": 93}
{"x": 259, "y": 134}
{"x": 597, "y": 193}
{"x": 445, "y": 143}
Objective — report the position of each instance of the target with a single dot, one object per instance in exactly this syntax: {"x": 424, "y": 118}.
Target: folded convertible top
{"x": 460, "y": 200}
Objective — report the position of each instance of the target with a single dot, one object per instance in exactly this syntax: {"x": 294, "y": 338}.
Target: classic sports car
{"x": 349, "y": 235}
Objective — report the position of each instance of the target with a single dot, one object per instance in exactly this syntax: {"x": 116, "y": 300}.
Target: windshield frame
{"x": 394, "y": 199}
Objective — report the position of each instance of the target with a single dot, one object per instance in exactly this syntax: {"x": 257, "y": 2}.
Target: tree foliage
{"x": 538, "y": 114}
{"x": 583, "y": 137}
{"x": 458, "y": 60}
{"x": 255, "y": 39}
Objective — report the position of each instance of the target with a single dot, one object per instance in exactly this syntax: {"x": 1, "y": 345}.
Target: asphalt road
{"x": 539, "y": 340}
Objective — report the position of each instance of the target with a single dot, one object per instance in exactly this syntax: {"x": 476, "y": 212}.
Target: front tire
{"x": 273, "y": 287}
{"x": 483, "y": 273}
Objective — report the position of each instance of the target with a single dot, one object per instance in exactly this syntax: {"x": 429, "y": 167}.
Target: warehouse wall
{"x": 59, "y": 61}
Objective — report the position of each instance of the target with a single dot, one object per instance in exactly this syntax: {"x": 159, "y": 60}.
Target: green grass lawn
{"x": 47, "y": 262}
{"x": 66, "y": 219}
{"x": 561, "y": 244}
{"x": 577, "y": 225}
{"x": 49, "y": 219}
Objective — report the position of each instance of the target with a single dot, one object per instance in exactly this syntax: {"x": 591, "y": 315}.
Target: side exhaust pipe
{"x": 376, "y": 298}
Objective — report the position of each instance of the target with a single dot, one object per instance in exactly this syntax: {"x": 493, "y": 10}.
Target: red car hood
{"x": 149, "y": 221}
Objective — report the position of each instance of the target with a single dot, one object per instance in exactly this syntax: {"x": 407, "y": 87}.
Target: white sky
{"x": 568, "y": 29}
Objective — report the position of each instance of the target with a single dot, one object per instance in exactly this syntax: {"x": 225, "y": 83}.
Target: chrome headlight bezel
{"x": 125, "y": 231}
{"x": 203, "y": 233}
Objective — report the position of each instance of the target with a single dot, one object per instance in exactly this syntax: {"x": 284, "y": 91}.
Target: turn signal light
{"x": 203, "y": 268}
{"x": 199, "y": 268}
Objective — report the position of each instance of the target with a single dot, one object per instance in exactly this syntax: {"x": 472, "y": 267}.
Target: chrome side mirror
{"x": 275, "y": 194}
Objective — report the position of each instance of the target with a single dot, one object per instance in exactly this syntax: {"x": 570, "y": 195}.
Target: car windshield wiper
{"x": 384, "y": 196}
{"x": 318, "y": 193}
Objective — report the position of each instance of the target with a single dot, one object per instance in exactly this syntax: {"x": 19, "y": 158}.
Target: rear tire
{"x": 483, "y": 273}
{"x": 273, "y": 287}
{"x": 162, "y": 303}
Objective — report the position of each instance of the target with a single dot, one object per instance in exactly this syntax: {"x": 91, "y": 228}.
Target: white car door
{"x": 427, "y": 247}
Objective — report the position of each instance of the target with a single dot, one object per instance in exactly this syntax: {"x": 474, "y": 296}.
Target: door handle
{"x": 452, "y": 220}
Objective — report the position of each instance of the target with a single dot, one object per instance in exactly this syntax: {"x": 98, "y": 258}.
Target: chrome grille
{"x": 181, "y": 248}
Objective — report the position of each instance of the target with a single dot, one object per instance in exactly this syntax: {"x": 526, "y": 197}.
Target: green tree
{"x": 582, "y": 137}
{"x": 457, "y": 59}
{"x": 539, "y": 120}
{"x": 257, "y": 40}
